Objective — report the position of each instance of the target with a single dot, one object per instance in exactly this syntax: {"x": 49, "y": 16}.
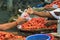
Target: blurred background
{"x": 10, "y": 8}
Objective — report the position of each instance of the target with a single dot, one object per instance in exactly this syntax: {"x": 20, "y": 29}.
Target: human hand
{"x": 48, "y": 7}
{"x": 20, "y": 20}
{"x": 30, "y": 10}
{"x": 48, "y": 23}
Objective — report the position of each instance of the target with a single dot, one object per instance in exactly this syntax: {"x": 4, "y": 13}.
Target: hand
{"x": 30, "y": 11}
{"x": 47, "y": 7}
{"x": 49, "y": 23}
{"x": 19, "y": 20}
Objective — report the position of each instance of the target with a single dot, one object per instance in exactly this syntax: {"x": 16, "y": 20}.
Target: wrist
{"x": 34, "y": 12}
{"x": 17, "y": 23}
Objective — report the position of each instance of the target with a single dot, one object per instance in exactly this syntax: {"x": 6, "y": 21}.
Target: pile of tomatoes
{"x": 10, "y": 36}
{"x": 57, "y": 2}
{"x": 36, "y": 23}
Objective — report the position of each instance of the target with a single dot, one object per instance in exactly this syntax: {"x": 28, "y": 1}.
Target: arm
{"x": 7, "y": 25}
{"x": 51, "y": 22}
{"x": 11, "y": 24}
{"x": 43, "y": 14}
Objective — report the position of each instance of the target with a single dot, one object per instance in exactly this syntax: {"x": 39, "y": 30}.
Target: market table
{"x": 24, "y": 33}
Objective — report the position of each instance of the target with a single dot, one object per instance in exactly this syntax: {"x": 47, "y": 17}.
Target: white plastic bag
{"x": 24, "y": 15}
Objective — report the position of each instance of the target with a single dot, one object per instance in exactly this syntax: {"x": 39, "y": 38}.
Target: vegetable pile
{"x": 10, "y": 36}
{"x": 57, "y": 2}
{"x": 36, "y": 23}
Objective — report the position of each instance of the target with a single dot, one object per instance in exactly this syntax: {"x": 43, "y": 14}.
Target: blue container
{"x": 38, "y": 37}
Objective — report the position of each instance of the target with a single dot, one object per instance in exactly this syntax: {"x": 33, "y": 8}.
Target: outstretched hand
{"x": 30, "y": 10}
{"x": 20, "y": 19}
{"x": 51, "y": 22}
{"x": 48, "y": 23}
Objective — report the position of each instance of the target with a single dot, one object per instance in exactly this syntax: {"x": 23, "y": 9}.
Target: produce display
{"x": 10, "y": 36}
{"x": 56, "y": 2}
{"x": 36, "y": 24}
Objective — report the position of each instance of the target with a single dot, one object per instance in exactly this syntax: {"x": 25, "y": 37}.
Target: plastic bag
{"x": 24, "y": 15}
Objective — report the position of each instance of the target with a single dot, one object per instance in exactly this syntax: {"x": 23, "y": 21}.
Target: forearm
{"x": 7, "y": 25}
{"x": 11, "y": 24}
{"x": 53, "y": 21}
{"x": 42, "y": 14}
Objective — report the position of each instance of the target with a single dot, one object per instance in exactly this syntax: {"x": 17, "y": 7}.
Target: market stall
{"x": 34, "y": 24}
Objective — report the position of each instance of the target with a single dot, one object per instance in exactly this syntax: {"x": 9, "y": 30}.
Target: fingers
{"x": 30, "y": 10}
{"x": 48, "y": 24}
{"x": 20, "y": 20}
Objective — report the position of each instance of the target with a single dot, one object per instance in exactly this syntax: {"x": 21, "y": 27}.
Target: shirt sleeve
{"x": 54, "y": 15}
